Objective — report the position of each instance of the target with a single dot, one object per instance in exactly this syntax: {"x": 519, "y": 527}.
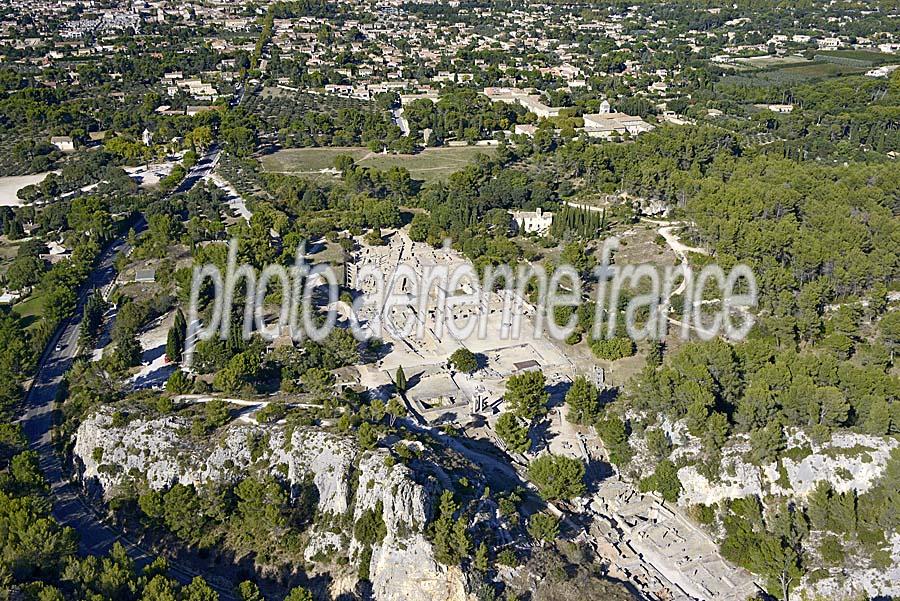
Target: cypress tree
{"x": 176, "y": 338}
{"x": 181, "y": 323}
{"x": 174, "y": 346}
{"x": 400, "y": 379}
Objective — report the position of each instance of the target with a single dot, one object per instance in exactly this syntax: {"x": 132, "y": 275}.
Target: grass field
{"x": 8, "y": 251}
{"x": 429, "y": 165}
{"x": 308, "y": 160}
{"x": 31, "y": 310}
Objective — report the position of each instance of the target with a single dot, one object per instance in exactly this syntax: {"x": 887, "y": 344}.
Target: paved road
{"x": 96, "y": 536}
{"x": 37, "y": 419}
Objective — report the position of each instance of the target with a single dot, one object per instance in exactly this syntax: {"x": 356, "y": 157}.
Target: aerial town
{"x": 451, "y": 300}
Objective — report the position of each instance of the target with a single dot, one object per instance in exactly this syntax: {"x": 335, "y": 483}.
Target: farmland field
{"x": 767, "y": 61}
{"x": 431, "y": 164}
{"x": 793, "y": 74}
{"x": 814, "y": 71}
{"x": 872, "y": 57}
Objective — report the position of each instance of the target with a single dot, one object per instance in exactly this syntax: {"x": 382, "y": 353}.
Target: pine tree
{"x": 198, "y": 590}
{"x": 582, "y": 401}
{"x": 480, "y": 562}
{"x": 247, "y": 591}
{"x": 92, "y": 319}
{"x": 178, "y": 383}
{"x": 395, "y": 409}
{"x": 513, "y": 434}
{"x": 543, "y": 527}
{"x": 128, "y": 352}
{"x": 526, "y": 396}
{"x": 462, "y": 544}
{"x": 443, "y": 529}
{"x": 299, "y": 594}
{"x": 181, "y": 323}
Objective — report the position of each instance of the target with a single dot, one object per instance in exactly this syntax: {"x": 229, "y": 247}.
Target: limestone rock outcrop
{"x": 349, "y": 482}
{"x": 848, "y": 461}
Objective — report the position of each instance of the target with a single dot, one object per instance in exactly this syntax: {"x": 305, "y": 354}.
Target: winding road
{"x": 95, "y": 534}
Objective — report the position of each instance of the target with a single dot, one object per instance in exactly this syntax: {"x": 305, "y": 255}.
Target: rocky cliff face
{"x": 848, "y": 462}
{"x": 402, "y": 565}
{"x": 161, "y": 449}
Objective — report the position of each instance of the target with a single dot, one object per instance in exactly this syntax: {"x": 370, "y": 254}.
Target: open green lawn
{"x": 332, "y": 254}
{"x": 308, "y": 161}
{"x": 429, "y": 165}
{"x": 31, "y": 309}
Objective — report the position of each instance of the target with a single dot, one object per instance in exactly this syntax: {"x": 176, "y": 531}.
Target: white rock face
{"x": 848, "y": 461}
{"x": 877, "y": 583}
{"x": 157, "y": 449}
{"x": 402, "y": 567}
{"x": 697, "y": 489}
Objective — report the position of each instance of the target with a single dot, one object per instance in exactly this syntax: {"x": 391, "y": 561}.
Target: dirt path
{"x": 667, "y": 229}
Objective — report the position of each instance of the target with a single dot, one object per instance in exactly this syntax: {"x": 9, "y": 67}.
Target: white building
{"x": 534, "y": 105}
{"x": 531, "y": 102}
{"x": 533, "y": 221}
{"x": 606, "y": 124}
{"x": 884, "y": 71}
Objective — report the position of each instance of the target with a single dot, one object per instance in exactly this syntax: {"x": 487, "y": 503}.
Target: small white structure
{"x": 525, "y": 130}
{"x": 145, "y": 276}
{"x": 147, "y": 137}
{"x": 533, "y": 221}
{"x": 64, "y": 143}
